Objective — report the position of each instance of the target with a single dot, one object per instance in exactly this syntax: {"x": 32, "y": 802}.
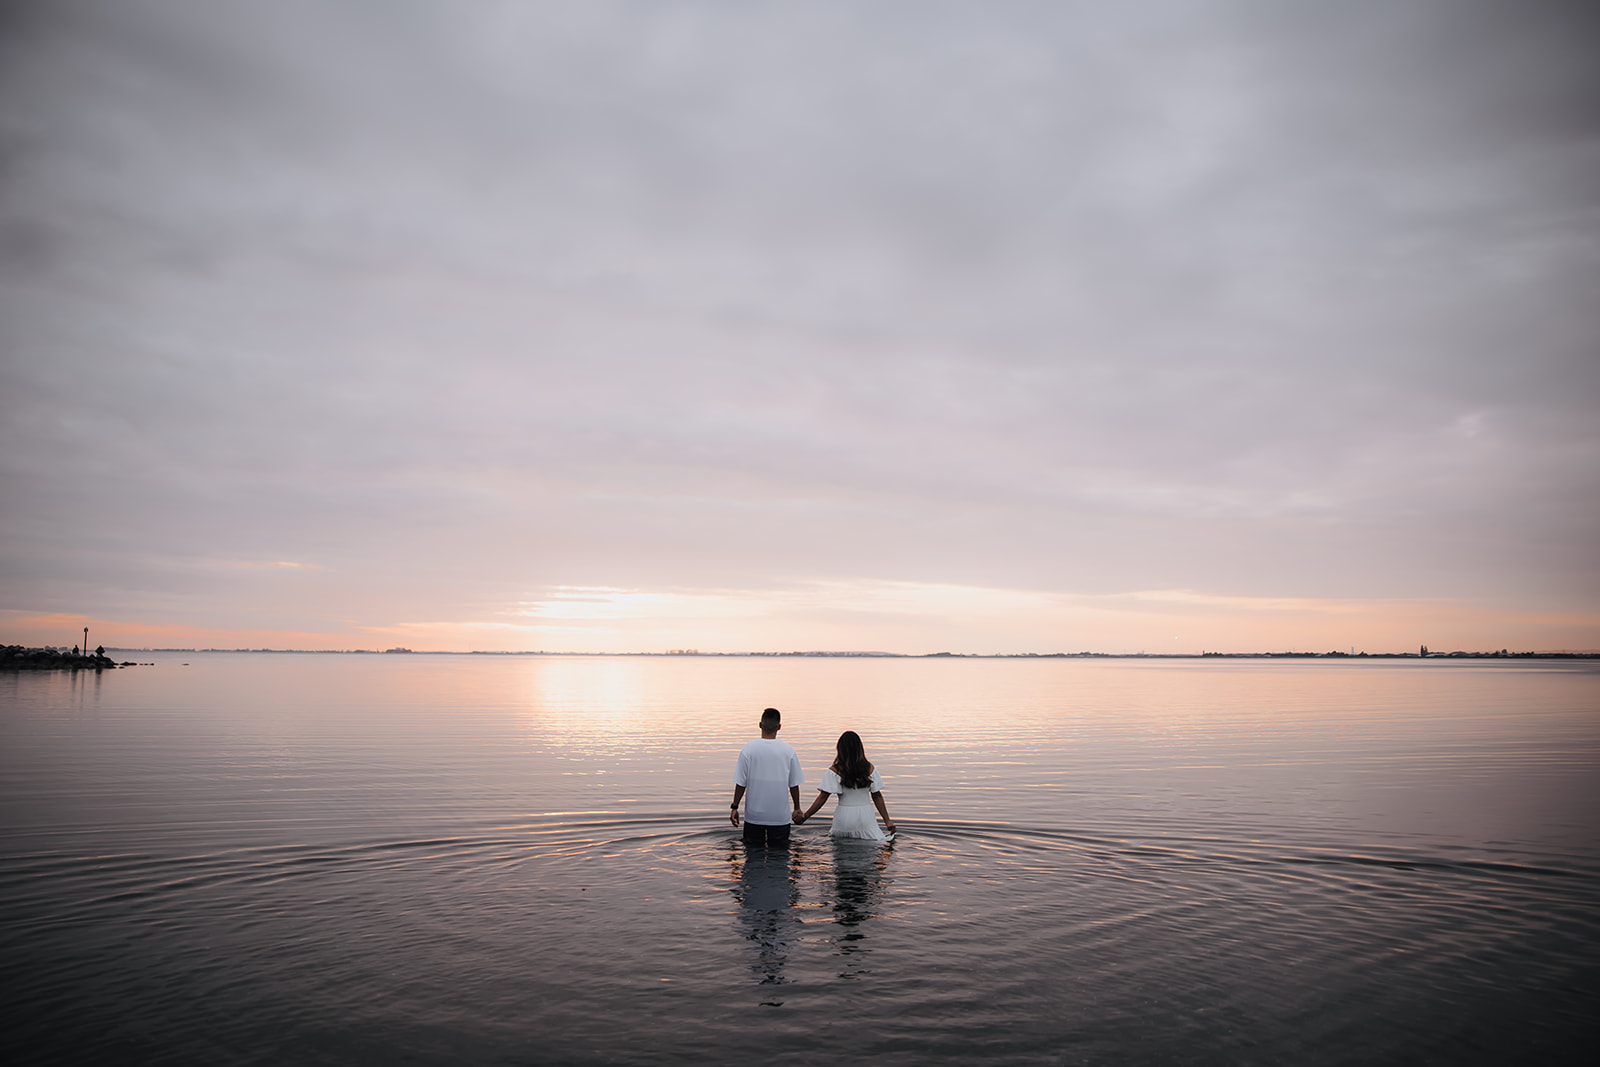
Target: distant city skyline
{"x": 630, "y": 327}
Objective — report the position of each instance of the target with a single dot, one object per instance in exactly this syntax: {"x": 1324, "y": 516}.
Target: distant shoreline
{"x": 677, "y": 654}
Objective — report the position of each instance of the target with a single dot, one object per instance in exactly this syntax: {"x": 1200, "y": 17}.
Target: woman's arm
{"x": 822, "y": 798}
{"x": 883, "y": 809}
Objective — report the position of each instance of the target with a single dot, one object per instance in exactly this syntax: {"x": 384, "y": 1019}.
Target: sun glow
{"x": 918, "y": 617}
{"x": 900, "y": 617}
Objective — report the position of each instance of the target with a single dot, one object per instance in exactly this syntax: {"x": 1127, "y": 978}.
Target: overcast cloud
{"x": 338, "y": 319}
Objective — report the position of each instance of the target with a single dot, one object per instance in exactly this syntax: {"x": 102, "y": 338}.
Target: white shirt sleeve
{"x": 830, "y": 782}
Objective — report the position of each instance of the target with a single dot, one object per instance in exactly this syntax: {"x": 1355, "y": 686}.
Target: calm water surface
{"x": 433, "y": 859}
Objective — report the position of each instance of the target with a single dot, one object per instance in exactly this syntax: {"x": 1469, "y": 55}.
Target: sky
{"x": 892, "y": 326}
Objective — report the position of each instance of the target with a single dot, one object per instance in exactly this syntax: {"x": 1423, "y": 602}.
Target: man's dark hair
{"x": 770, "y": 718}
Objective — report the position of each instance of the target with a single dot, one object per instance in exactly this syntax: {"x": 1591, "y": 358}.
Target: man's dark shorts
{"x": 766, "y": 836}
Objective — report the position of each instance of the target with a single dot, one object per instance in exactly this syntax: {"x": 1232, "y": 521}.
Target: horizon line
{"x": 824, "y": 654}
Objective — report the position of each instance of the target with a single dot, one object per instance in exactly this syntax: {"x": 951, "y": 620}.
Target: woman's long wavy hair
{"x": 852, "y": 766}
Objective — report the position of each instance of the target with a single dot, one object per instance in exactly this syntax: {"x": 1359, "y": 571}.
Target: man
{"x": 767, "y": 769}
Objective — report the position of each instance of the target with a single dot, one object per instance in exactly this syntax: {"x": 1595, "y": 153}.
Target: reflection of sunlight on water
{"x": 1066, "y": 742}
{"x": 581, "y": 699}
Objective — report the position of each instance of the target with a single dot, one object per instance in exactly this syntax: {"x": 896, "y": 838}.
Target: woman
{"x": 854, "y": 778}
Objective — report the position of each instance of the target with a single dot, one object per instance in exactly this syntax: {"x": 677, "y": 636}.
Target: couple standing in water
{"x": 769, "y": 768}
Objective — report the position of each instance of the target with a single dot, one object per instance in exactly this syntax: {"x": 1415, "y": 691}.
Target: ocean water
{"x": 285, "y": 858}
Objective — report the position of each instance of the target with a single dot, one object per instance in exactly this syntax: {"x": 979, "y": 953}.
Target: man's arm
{"x": 794, "y": 794}
{"x": 738, "y": 795}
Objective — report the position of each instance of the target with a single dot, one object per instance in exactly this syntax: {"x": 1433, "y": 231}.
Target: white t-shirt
{"x": 767, "y": 768}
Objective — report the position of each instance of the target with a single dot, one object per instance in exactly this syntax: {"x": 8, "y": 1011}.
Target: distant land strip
{"x": 15, "y": 657}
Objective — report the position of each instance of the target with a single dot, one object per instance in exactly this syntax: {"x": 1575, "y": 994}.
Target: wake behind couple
{"x": 769, "y": 768}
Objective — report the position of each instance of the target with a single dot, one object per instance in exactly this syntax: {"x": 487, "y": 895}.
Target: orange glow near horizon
{"x": 889, "y": 617}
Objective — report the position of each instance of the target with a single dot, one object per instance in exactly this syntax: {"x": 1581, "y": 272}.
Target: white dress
{"x": 855, "y": 815}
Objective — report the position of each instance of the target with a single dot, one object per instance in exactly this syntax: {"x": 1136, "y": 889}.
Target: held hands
{"x": 798, "y": 816}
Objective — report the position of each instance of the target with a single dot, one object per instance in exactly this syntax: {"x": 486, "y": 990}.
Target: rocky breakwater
{"x": 17, "y": 658}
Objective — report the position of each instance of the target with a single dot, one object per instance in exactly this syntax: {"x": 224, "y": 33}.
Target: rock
{"x": 18, "y": 658}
